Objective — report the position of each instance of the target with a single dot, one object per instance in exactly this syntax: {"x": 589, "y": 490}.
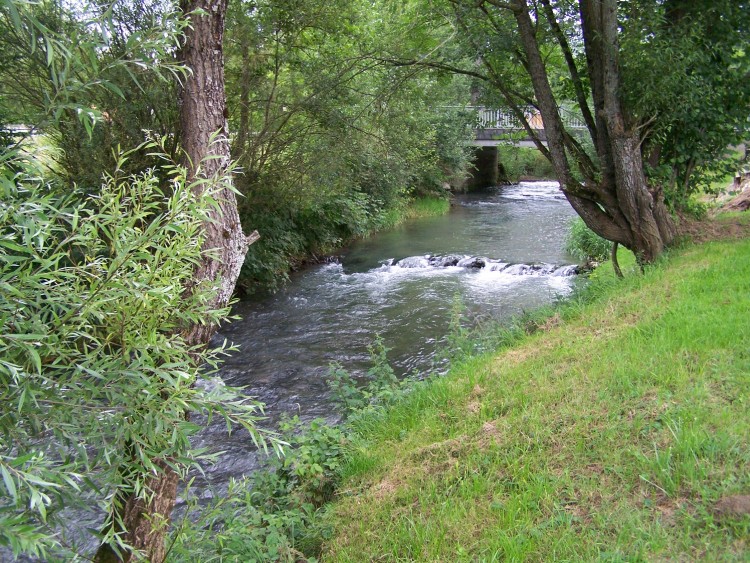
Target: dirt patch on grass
{"x": 386, "y": 488}
{"x": 440, "y": 456}
{"x": 474, "y": 407}
{"x": 490, "y": 434}
{"x": 710, "y": 229}
{"x": 735, "y": 506}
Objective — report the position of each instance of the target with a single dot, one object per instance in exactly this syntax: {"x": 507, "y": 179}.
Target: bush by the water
{"x": 278, "y": 514}
{"x": 585, "y": 244}
{"x": 517, "y": 163}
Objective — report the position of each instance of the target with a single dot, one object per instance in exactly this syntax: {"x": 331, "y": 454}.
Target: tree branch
{"x": 434, "y": 65}
{"x": 503, "y": 5}
{"x": 572, "y": 68}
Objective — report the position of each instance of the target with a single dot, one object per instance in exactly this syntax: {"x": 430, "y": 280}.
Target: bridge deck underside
{"x": 497, "y": 134}
{"x": 490, "y": 137}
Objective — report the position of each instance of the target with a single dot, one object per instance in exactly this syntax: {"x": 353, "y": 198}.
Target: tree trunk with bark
{"x": 616, "y": 203}
{"x": 204, "y": 133}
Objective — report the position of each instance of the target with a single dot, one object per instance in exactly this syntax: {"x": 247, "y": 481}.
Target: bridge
{"x": 500, "y": 126}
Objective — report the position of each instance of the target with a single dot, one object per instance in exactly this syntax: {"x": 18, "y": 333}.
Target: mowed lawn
{"x": 618, "y": 432}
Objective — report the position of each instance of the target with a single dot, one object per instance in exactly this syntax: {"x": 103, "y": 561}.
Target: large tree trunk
{"x": 616, "y": 204}
{"x": 648, "y": 222}
{"x": 204, "y": 133}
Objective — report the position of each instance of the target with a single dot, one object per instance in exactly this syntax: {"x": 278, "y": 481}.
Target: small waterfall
{"x": 482, "y": 263}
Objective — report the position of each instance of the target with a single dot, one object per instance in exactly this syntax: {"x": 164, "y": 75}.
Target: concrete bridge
{"x": 499, "y": 126}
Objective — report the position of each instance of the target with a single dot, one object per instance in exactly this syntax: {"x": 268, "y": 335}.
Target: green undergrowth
{"x": 517, "y": 163}
{"x": 418, "y": 208}
{"x": 608, "y": 433}
{"x": 427, "y": 207}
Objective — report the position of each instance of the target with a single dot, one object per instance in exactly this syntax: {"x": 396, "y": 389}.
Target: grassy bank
{"x": 616, "y": 432}
{"x": 519, "y": 163}
{"x": 413, "y": 209}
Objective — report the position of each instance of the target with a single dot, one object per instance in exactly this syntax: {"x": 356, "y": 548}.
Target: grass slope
{"x": 610, "y": 435}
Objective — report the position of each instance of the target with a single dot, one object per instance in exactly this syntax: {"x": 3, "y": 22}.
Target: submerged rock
{"x": 473, "y": 262}
{"x": 444, "y": 261}
{"x": 414, "y": 262}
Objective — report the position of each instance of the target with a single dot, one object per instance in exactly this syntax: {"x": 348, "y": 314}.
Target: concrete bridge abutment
{"x": 484, "y": 172}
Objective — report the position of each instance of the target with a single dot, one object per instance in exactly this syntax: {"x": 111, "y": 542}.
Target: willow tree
{"x": 143, "y": 520}
{"x": 108, "y": 296}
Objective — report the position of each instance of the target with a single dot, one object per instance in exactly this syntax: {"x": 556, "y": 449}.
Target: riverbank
{"x": 286, "y": 248}
{"x": 619, "y": 429}
{"x": 414, "y": 209}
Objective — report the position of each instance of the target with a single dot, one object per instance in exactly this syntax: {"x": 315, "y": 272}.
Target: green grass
{"x": 608, "y": 435}
{"x": 413, "y": 209}
{"x": 427, "y": 207}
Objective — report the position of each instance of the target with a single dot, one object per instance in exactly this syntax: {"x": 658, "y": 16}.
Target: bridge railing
{"x": 490, "y": 118}
{"x": 503, "y": 118}
{"x": 572, "y": 119}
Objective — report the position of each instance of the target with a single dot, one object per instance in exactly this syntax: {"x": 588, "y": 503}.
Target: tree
{"x": 112, "y": 66}
{"x": 661, "y": 87}
{"x": 205, "y": 139}
{"x": 685, "y": 75}
{"x": 106, "y": 303}
{"x": 609, "y": 190}
{"x": 306, "y": 80}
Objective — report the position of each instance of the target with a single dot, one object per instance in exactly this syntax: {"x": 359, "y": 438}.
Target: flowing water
{"x": 500, "y": 252}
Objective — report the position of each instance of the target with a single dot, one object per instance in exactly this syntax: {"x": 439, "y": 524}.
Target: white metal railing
{"x": 503, "y": 118}
{"x": 571, "y": 119}
{"x": 489, "y": 118}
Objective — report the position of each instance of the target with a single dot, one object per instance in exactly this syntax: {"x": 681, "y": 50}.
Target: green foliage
{"x": 90, "y": 79}
{"x": 238, "y": 527}
{"x": 461, "y": 340}
{"x": 95, "y": 377}
{"x": 519, "y": 162}
{"x": 685, "y": 69}
{"x": 273, "y": 515}
{"x": 379, "y": 386}
{"x": 279, "y": 513}
{"x": 333, "y": 141}
{"x": 691, "y": 206}
{"x": 585, "y": 244}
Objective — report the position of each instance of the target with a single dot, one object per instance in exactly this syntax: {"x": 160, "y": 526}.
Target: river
{"x": 500, "y": 252}
{"x": 400, "y": 285}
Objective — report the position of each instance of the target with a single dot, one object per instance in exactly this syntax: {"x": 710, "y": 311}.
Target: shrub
{"x": 380, "y": 385}
{"x": 95, "y": 378}
{"x": 585, "y": 244}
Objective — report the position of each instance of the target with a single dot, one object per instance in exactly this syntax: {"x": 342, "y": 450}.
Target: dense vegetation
{"x": 328, "y": 140}
{"x": 339, "y": 115}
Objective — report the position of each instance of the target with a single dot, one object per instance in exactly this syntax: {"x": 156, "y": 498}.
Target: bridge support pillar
{"x": 485, "y": 169}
